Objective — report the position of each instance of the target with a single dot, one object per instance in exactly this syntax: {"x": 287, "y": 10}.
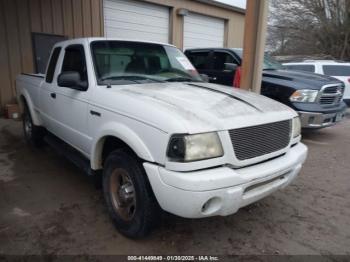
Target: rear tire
{"x": 34, "y": 135}
{"x": 128, "y": 194}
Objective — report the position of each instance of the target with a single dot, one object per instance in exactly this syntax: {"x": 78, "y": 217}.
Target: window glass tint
{"x": 122, "y": 62}
{"x": 307, "y": 68}
{"x": 336, "y": 70}
{"x": 115, "y": 62}
{"x": 200, "y": 60}
{"x": 271, "y": 63}
{"x": 220, "y": 58}
{"x": 125, "y": 61}
{"x": 74, "y": 60}
{"x": 51, "y": 69}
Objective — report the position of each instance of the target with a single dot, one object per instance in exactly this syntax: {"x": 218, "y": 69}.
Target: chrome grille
{"x": 327, "y": 100}
{"x": 331, "y": 95}
{"x": 254, "y": 141}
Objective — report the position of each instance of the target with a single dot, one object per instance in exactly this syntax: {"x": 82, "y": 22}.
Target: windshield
{"x": 123, "y": 62}
{"x": 269, "y": 62}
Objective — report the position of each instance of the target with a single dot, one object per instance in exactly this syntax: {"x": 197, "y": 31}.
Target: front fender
{"x": 122, "y": 132}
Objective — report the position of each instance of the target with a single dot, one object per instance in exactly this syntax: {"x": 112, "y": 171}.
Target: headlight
{"x": 187, "y": 148}
{"x": 306, "y": 96}
{"x": 296, "y": 127}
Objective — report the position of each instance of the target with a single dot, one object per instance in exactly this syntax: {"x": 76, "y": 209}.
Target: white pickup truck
{"x": 139, "y": 114}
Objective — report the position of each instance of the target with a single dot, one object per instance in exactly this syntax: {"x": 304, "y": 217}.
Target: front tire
{"x": 128, "y": 194}
{"x": 34, "y": 135}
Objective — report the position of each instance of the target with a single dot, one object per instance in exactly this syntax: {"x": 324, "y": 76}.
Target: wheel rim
{"x": 28, "y": 126}
{"x": 123, "y": 194}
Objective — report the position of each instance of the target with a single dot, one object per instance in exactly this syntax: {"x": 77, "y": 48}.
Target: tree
{"x": 306, "y": 27}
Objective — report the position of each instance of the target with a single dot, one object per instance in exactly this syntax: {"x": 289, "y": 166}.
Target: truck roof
{"x": 320, "y": 62}
{"x": 238, "y": 52}
{"x": 91, "y": 39}
{"x": 212, "y": 48}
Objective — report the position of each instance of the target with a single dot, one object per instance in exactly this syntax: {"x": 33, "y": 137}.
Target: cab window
{"x": 200, "y": 60}
{"x": 74, "y": 60}
{"x": 221, "y": 58}
{"x": 336, "y": 70}
{"x": 306, "y": 68}
{"x": 52, "y": 65}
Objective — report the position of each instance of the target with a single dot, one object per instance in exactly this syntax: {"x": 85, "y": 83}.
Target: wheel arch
{"x": 114, "y": 137}
{"x": 25, "y": 101}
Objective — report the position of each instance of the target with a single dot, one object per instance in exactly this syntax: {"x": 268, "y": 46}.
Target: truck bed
{"x": 29, "y": 85}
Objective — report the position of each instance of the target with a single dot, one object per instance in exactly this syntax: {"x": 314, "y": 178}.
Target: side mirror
{"x": 71, "y": 79}
{"x": 204, "y": 77}
{"x": 229, "y": 67}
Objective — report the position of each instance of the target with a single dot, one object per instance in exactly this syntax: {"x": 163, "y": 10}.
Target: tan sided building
{"x": 29, "y": 28}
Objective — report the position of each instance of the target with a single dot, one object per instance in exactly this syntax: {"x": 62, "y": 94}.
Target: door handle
{"x": 94, "y": 113}
{"x": 212, "y": 78}
{"x": 53, "y": 95}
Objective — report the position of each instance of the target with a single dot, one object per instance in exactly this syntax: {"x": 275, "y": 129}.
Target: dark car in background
{"x": 317, "y": 98}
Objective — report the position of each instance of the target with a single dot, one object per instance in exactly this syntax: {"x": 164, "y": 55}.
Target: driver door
{"x": 222, "y": 75}
{"x": 71, "y": 112}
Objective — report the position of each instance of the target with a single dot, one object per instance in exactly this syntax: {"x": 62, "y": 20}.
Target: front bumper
{"x": 347, "y": 102}
{"x": 222, "y": 191}
{"x": 320, "y": 120}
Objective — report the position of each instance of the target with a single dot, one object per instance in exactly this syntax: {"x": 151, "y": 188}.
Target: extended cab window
{"x": 307, "y": 68}
{"x": 221, "y": 58}
{"x": 336, "y": 70}
{"x": 74, "y": 60}
{"x": 200, "y": 60}
{"x": 52, "y": 65}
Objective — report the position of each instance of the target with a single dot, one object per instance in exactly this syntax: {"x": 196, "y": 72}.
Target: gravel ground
{"x": 47, "y": 206}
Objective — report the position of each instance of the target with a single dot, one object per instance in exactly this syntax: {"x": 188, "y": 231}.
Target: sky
{"x": 238, "y": 3}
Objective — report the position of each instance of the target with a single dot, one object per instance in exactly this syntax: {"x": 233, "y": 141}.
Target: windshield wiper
{"x": 134, "y": 78}
{"x": 181, "y": 79}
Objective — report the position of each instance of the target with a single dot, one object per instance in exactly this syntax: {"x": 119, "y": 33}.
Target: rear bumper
{"x": 320, "y": 120}
{"x": 222, "y": 191}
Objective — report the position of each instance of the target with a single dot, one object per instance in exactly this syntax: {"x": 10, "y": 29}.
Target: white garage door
{"x": 203, "y": 31}
{"x": 136, "y": 20}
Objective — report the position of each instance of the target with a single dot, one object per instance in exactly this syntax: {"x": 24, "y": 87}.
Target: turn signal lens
{"x": 296, "y": 127}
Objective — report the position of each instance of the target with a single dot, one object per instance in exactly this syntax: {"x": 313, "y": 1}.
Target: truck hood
{"x": 299, "y": 79}
{"x": 193, "y": 107}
